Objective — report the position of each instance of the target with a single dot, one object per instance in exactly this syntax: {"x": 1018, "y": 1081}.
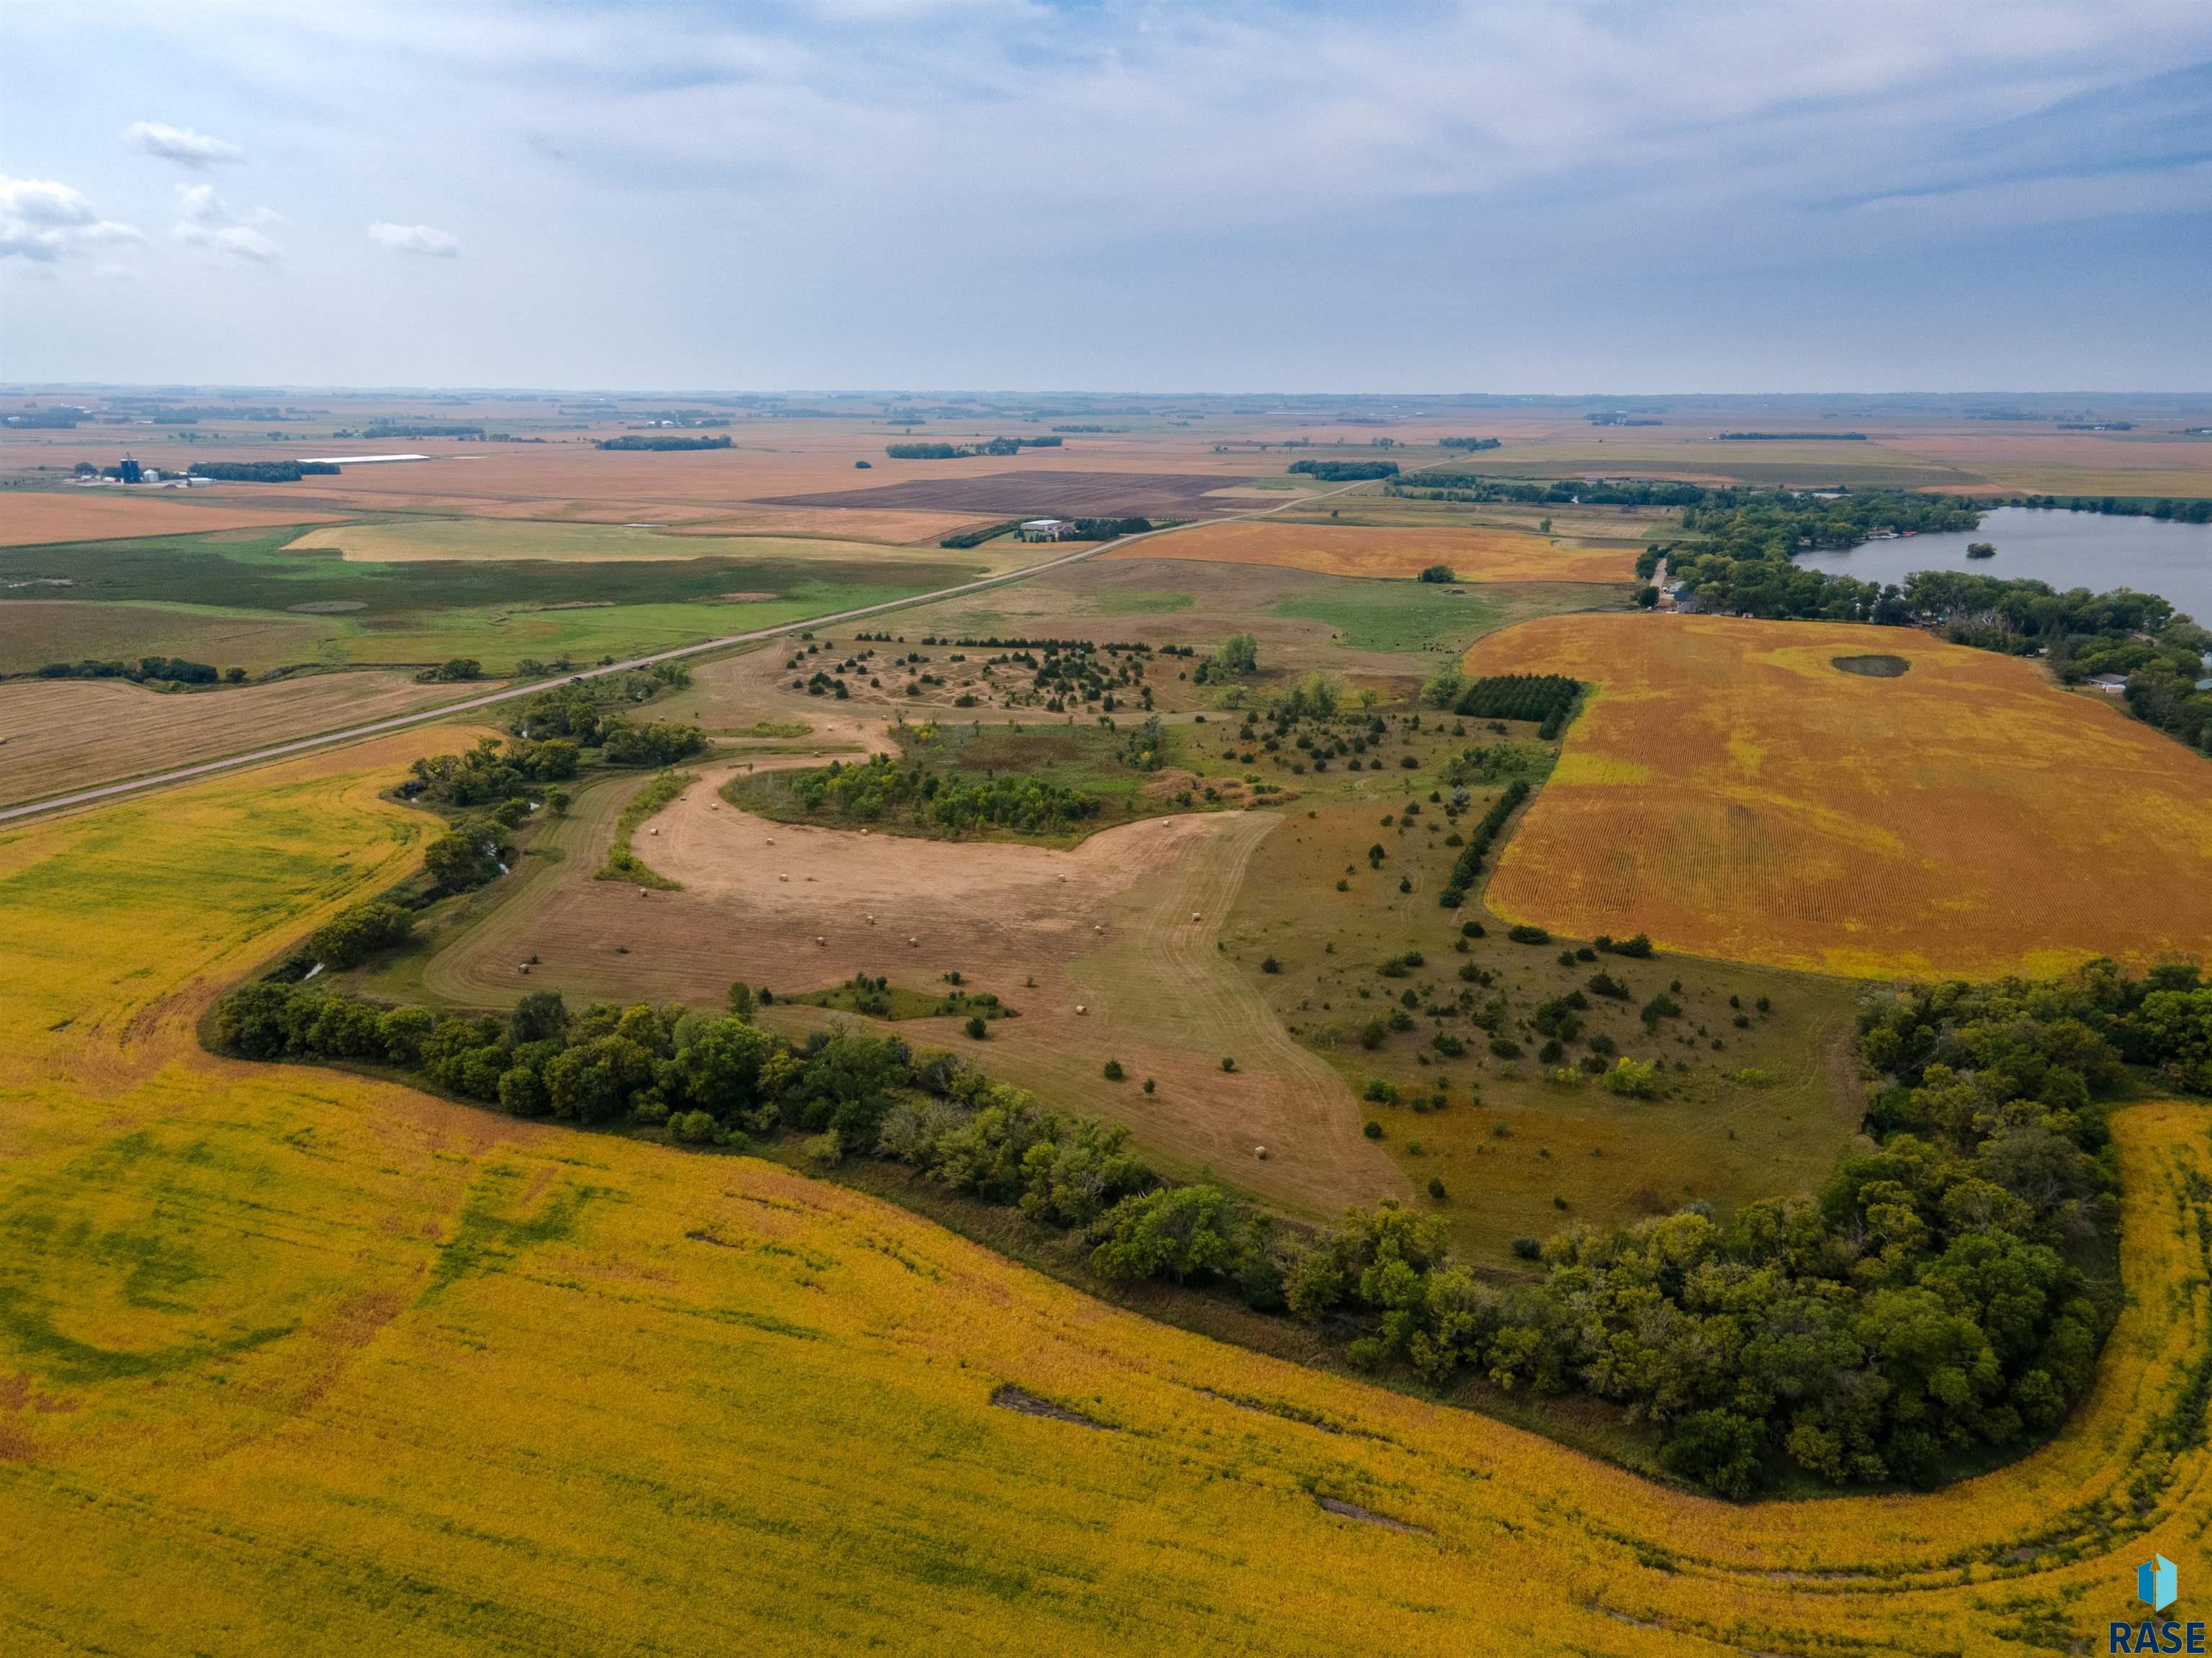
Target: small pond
{"x": 2067, "y": 549}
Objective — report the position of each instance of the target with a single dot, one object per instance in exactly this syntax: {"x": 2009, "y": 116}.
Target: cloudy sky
{"x": 1569, "y": 197}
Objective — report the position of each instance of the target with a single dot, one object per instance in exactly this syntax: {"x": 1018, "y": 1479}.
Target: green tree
{"x": 1179, "y": 1232}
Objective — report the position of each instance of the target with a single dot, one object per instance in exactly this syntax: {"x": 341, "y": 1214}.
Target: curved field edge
{"x": 292, "y": 1360}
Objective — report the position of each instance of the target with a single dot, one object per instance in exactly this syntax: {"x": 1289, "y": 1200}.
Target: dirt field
{"x": 1328, "y": 549}
{"x": 1109, "y": 927}
{"x": 1065, "y": 494}
{"x": 34, "y": 518}
{"x": 61, "y": 734}
{"x": 1733, "y": 794}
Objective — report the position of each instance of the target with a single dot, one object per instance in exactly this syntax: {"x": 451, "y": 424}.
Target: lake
{"x": 2067, "y": 549}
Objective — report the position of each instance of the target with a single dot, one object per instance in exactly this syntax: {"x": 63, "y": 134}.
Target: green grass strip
{"x": 622, "y": 863}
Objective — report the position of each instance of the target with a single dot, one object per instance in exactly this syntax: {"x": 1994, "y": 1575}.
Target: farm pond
{"x": 2067, "y": 549}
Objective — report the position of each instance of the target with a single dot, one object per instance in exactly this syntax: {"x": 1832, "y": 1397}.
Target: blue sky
{"x": 990, "y": 194}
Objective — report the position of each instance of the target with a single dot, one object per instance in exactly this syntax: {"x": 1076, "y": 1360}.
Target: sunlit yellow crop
{"x": 1732, "y": 792}
{"x": 291, "y": 1362}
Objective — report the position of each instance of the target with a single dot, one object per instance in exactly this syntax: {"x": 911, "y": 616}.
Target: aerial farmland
{"x": 733, "y": 919}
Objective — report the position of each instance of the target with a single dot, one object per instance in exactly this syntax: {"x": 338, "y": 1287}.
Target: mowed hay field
{"x": 1473, "y": 555}
{"x": 1123, "y": 926}
{"x": 1732, "y": 793}
{"x": 61, "y": 734}
{"x": 32, "y": 517}
{"x": 297, "y": 1363}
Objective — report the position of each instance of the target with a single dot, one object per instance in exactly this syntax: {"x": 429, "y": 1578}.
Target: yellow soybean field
{"x": 294, "y": 1362}
{"x": 1733, "y": 792}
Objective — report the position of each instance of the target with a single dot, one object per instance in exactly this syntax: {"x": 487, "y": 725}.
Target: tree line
{"x": 1546, "y": 697}
{"x": 1345, "y": 471}
{"x": 263, "y": 472}
{"x": 173, "y": 670}
{"x": 659, "y": 440}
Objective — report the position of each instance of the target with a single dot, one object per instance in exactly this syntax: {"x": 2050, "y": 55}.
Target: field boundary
{"x": 401, "y": 722}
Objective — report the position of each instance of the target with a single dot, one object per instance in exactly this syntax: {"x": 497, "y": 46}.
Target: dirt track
{"x": 1107, "y": 926}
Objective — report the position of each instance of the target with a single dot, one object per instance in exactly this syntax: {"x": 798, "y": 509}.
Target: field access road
{"x": 447, "y": 710}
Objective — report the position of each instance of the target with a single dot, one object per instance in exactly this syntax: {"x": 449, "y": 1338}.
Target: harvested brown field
{"x": 1123, "y": 927}
{"x": 70, "y": 631}
{"x": 1734, "y": 793}
{"x": 436, "y": 540}
{"x": 1473, "y": 555}
{"x": 1065, "y": 494}
{"x": 61, "y": 734}
{"x": 32, "y": 517}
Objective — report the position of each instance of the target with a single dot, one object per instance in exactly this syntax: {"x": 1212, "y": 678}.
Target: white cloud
{"x": 205, "y": 222}
{"x": 419, "y": 239}
{"x": 180, "y": 144}
{"x": 44, "y": 221}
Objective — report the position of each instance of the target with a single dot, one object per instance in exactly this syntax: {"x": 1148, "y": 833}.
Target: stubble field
{"x": 33, "y": 518}
{"x": 303, "y": 1363}
{"x": 57, "y": 735}
{"x": 1732, "y": 793}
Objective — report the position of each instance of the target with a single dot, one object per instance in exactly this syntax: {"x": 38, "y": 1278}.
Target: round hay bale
{"x": 1260, "y": 1152}
{"x": 1195, "y": 916}
{"x": 1081, "y": 1009}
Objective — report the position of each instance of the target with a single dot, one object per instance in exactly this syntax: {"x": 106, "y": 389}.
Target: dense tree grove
{"x": 1942, "y": 1292}
{"x": 1345, "y": 471}
{"x": 589, "y": 713}
{"x": 1546, "y": 697}
{"x": 173, "y": 670}
{"x": 882, "y": 787}
{"x": 662, "y": 441}
{"x": 356, "y": 933}
{"x": 491, "y": 772}
{"x": 1775, "y": 524}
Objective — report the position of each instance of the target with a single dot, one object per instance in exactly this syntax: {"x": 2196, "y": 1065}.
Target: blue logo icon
{"x": 2157, "y": 1583}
